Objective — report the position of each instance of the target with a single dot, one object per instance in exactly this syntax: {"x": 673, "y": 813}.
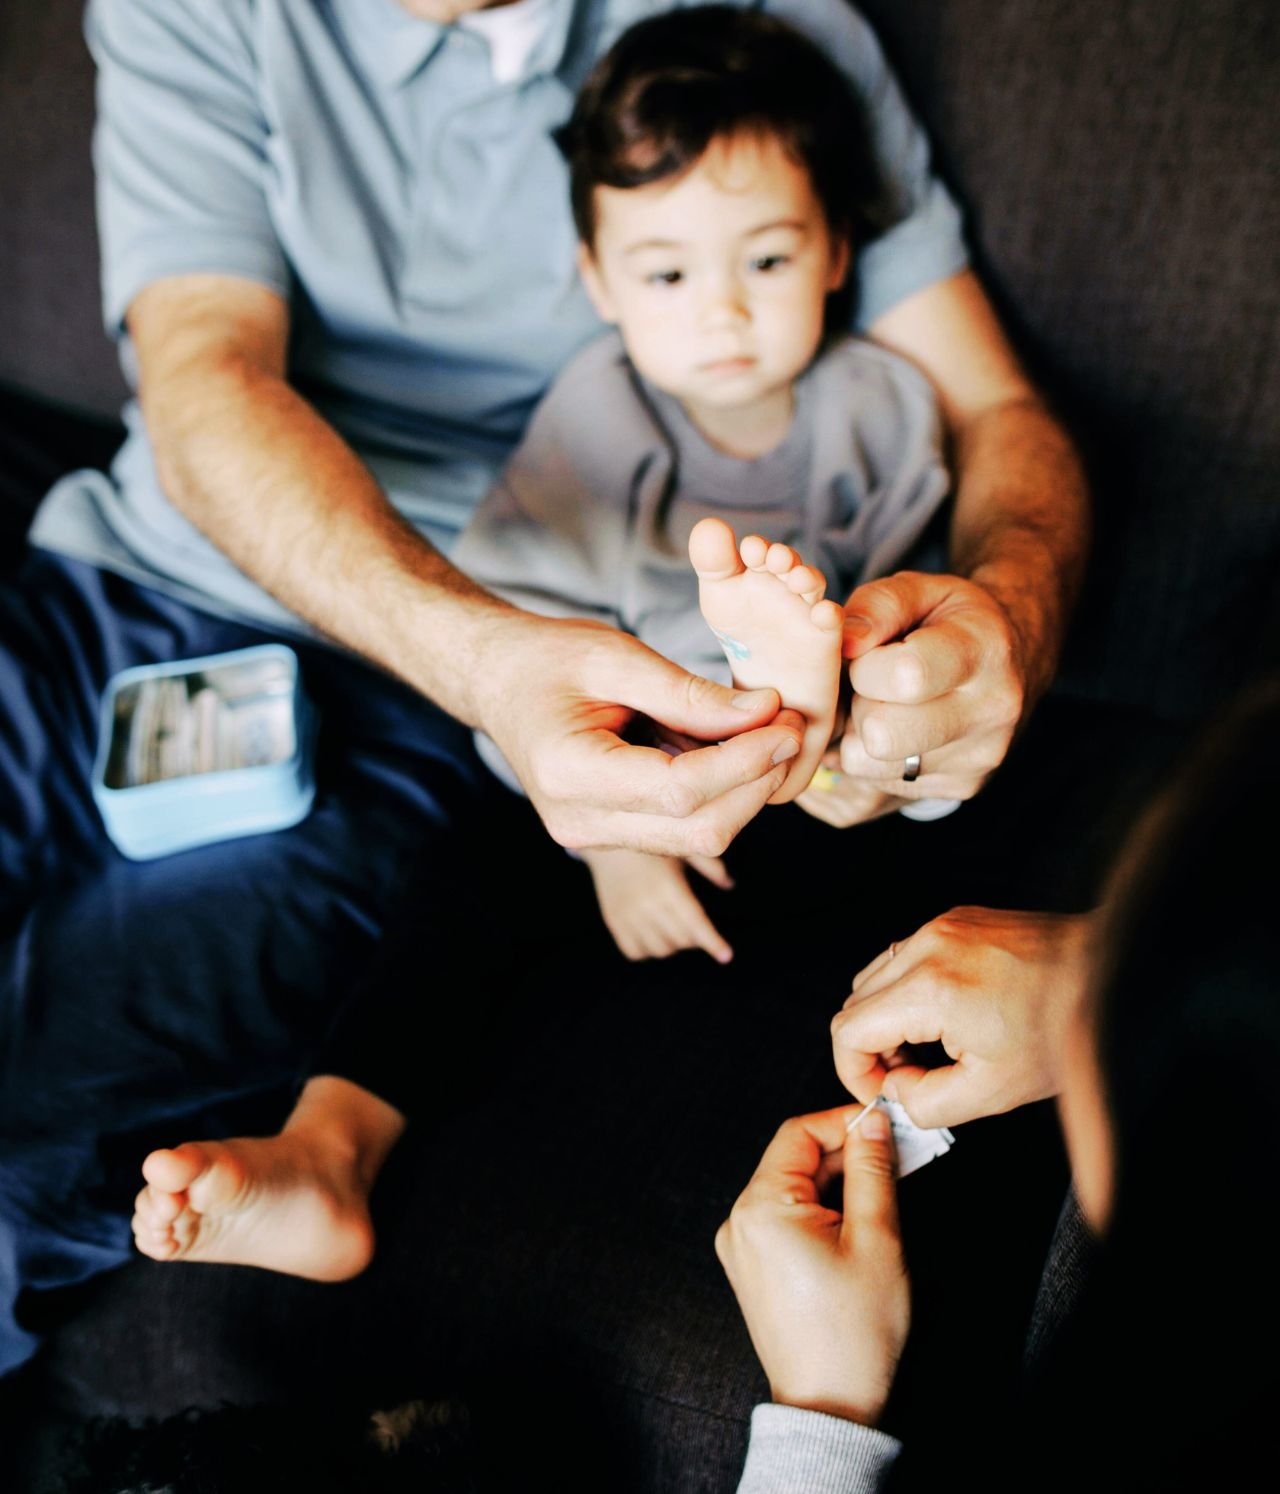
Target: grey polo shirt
{"x": 413, "y": 211}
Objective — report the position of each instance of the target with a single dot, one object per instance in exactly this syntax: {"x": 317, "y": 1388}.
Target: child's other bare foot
{"x": 767, "y": 609}
{"x": 649, "y": 907}
{"x": 297, "y": 1202}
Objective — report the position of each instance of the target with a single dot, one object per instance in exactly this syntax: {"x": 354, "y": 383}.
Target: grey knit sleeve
{"x": 806, "y": 1452}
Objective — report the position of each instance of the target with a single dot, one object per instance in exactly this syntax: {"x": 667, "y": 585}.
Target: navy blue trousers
{"x": 144, "y": 1003}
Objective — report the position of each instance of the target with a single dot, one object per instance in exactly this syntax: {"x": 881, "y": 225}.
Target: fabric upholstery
{"x": 53, "y": 343}
{"x": 1118, "y": 161}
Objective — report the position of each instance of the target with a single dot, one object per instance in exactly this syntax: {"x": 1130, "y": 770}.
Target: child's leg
{"x": 649, "y": 907}
{"x": 296, "y": 1202}
{"x": 767, "y": 610}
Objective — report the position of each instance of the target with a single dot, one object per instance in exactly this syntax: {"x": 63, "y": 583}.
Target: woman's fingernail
{"x": 876, "y": 1126}
{"x": 889, "y": 1089}
{"x": 784, "y": 751}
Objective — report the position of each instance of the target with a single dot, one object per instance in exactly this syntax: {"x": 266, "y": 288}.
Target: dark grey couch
{"x": 546, "y": 1250}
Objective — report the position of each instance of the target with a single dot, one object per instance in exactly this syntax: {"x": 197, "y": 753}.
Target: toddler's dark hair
{"x": 673, "y": 84}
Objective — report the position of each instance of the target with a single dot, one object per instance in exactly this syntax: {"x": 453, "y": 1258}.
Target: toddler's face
{"x": 717, "y": 279}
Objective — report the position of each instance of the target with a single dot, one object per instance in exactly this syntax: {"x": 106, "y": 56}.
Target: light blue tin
{"x": 203, "y": 750}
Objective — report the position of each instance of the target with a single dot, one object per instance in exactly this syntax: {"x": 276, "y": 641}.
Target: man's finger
{"x": 712, "y": 829}
{"x": 936, "y": 1097}
{"x": 646, "y": 682}
{"x": 932, "y": 661}
{"x": 870, "y": 1188}
{"x": 647, "y": 781}
{"x": 884, "y": 776}
{"x": 710, "y": 772}
{"x": 887, "y": 732}
{"x": 879, "y": 611}
{"x": 707, "y": 832}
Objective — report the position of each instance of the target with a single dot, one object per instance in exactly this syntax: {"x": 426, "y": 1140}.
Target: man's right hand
{"x": 557, "y": 697}
{"x": 996, "y": 989}
{"x": 259, "y": 471}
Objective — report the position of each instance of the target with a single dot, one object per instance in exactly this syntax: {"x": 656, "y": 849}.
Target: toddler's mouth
{"x": 739, "y": 364}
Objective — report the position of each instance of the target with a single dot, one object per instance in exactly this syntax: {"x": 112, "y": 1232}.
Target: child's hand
{"x": 649, "y": 907}
{"x": 843, "y": 801}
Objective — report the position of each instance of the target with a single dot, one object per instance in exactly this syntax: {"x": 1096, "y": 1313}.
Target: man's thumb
{"x": 688, "y": 702}
{"x": 870, "y": 1175}
{"x": 887, "y": 608}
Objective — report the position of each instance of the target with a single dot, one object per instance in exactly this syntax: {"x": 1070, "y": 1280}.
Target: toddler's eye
{"x": 665, "y": 277}
{"x": 767, "y": 262}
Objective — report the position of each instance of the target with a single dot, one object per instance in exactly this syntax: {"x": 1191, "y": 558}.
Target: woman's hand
{"x": 996, "y": 989}
{"x": 824, "y": 1293}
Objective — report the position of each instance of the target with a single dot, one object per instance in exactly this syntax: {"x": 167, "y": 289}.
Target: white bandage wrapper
{"x": 914, "y": 1147}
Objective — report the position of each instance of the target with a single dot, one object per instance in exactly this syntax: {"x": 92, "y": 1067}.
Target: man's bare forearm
{"x": 1021, "y": 518}
{"x": 1021, "y": 525}
{"x": 259, "y": 471}
{"x": 245, "y": 457}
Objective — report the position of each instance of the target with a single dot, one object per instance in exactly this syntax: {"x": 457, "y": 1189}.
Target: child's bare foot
{"x": 649, "y": 907}
{"x": 297, "y": 1202}
{"x": 767, "y": 609}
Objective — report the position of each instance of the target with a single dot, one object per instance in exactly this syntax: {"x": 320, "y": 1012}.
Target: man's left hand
{"x": 936, "y": 673}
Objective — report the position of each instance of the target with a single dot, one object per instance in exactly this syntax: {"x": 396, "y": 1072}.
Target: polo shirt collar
{"x": 393, "y": 45}
{"x": 547, "y": 54}
{"x": 390, "y": 43}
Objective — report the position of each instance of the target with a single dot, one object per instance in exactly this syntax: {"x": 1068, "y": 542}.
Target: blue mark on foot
{"x": 731, "y": 646}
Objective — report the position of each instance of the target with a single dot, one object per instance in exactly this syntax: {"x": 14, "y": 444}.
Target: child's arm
{"x": 649, "y": 907}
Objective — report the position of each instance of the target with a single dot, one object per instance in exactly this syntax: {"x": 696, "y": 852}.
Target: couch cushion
{"x": 53, "y": 341}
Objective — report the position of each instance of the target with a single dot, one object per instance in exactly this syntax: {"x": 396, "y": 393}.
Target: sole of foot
{"x": 284, "y": 1203}
{"x": 768, "y": 609}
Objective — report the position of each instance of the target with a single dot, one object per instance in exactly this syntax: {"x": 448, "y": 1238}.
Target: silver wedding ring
{"x": 911, "y": 768}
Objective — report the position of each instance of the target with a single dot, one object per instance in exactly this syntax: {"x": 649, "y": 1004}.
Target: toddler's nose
{"x": 725, "y": 305}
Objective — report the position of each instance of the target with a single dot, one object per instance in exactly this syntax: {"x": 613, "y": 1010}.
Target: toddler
{"x": 723, "y": 180}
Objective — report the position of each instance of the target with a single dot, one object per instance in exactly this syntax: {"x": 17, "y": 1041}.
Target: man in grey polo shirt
{"x": 338, "y": 252}
{"x": 341, "y": 251}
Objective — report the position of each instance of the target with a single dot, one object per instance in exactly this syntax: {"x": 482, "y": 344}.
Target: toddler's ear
{"x": 594, "y": 284}
{"x": 839, "y": 263}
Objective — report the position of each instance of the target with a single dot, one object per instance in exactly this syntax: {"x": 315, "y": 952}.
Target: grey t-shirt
{"x": 592, "y": 516}
{"x": 411, "y": 208}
